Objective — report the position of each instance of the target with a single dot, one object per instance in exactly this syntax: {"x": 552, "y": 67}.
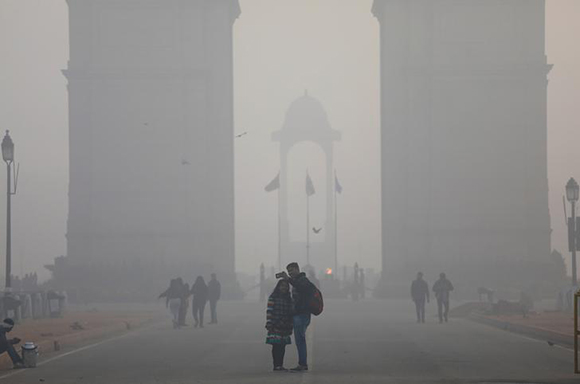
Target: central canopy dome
{"x": 306, "y": 114}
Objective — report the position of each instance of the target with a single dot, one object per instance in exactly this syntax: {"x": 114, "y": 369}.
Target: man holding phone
{"x": 302, "y": 289}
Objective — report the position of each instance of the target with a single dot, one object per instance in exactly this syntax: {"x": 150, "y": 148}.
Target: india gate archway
{"x": 307, "y": 121}
{"x": 464, "y": 140}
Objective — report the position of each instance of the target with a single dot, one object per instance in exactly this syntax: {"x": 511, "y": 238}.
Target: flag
{"x": 309, "y": 186}
{"x": 273, "y": 185}
{"x": 337, "y": 186}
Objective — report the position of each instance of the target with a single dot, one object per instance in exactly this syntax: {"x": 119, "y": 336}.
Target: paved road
{"x": 363, "y": 342}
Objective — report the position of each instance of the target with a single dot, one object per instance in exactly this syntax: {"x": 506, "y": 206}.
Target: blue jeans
{"x": 301, "y": 322}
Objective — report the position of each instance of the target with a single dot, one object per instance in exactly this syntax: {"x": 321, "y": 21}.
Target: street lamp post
{"x": 572, "y": 195}
{"x": 8, "y": 157}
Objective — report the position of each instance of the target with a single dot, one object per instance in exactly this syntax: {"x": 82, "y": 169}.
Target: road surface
{"x": 351, "y": 342}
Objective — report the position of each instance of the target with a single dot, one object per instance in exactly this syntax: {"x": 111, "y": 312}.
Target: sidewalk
{"x": 77, "y": 327}
{"x": 555, "y": 327}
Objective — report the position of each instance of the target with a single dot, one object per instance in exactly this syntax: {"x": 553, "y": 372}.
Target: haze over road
{"x": 384, "y": 345}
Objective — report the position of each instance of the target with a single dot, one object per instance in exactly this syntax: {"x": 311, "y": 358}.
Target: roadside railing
{"x": 24, "y": 305}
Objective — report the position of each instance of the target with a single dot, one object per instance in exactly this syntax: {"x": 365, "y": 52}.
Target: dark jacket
{"x": 302, "y": 290}
{"x": 214, "y": 290}
{"x": 173, "y": 292}
{"x": 442, "y": 287}
{"x": 4, "y": 340}
{"x": 279, "y": 315}
{"x": 199, "y": 292}
{"x": 419, "y": 290}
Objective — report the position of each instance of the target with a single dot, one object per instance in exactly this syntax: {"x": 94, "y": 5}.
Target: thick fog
{"x": 282, "y": 49}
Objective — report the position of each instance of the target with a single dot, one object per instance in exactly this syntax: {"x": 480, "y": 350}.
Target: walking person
{"x": 420, "y": 293}
{"x": 279, "y": 323}
{"x": 214, "y": 291}
{"x": 184, "y": 304}
{"x": 442, "y": 287}
{"x": 173, "y": 299}
{"x": 199, "y": 292}
{"x": 7, "y": 345}
{"x": 302, "y": 290}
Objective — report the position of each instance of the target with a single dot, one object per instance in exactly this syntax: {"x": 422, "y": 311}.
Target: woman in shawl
{"x": 279, "y": 323}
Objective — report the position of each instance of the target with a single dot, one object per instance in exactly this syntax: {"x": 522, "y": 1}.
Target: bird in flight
{"x": 315, "y": 230}
{"x": 185, "y": 162}
{"x": 241, "y": 134}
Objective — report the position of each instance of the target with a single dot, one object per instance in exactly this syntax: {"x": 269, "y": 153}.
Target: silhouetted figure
{"x": 442, "y": 287}
{"x": 173, "y": 296}
{"x": 279, "y": 322}
{"x": 302, "y": 291}
{"x": 7, "y": 345}
{"x": 214, "y": 291}
{"x": 199, "y": 292}
{"x": 355, "y": 291}
{"x": 362, "y": 284}
{"x": 420, "y": 294}
{"x": 184, "y": 304}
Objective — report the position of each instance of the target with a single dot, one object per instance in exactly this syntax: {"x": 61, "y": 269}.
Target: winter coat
{"x": 302, "y": 290}
{"x": 419, "y": 290}
{"x": 442, "y": 287}
{"x": 199, "y": 292}
{"x": 279, "y": 319}
{"x": 214, "y": 290}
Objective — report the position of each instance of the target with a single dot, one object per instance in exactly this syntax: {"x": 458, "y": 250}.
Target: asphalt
{"x": 351, "y": 342}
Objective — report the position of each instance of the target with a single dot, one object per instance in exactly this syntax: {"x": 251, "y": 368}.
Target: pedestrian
{"x": 420, "y": 293}
{"x": 173, "y": 299}
{"x": 7, "y": 345}
{"x": 363, "y": 287}
{"x": 199, "y": 292}
{"x": 442, "y": 287}
{"x": 302, "y": 291}
{"x": 184, "y": 296}
{"x": 214, "y": 291}
{"x": 279, "y": 323}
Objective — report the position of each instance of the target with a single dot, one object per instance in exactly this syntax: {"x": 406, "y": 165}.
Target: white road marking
{"x": 569, "y": 349}
{"x": 74, "y": 351}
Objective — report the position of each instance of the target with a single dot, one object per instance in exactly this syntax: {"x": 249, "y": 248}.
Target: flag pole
{"x": 335, "y": 227}
{"x": 279, "y": 235}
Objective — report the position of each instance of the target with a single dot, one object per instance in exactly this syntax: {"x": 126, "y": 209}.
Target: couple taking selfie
{"x": 290, "y": 307}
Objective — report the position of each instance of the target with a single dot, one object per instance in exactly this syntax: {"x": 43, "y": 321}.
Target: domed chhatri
{"x": 306, "y": 113}
{"x": 306, "y": 120}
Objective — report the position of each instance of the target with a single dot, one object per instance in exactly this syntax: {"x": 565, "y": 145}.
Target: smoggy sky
{"x": 282, "y": 47}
